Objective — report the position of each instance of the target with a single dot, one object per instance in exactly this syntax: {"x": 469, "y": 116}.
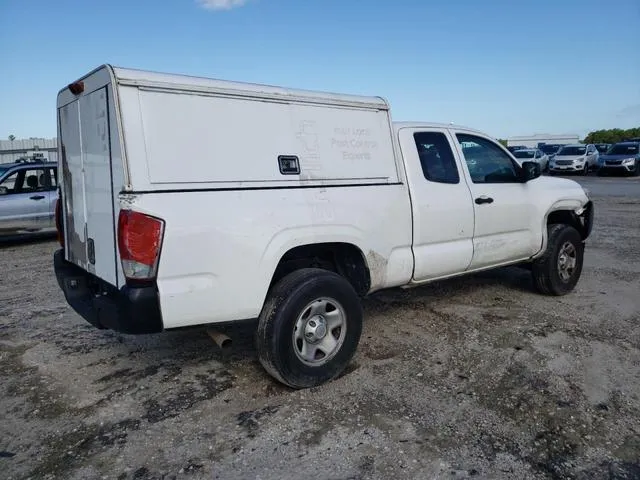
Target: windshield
{"x": 2, "y": 170}
{"x": 602, "y": 147}
{"x": 523, "y": 154}
{"x": 572, "y": 150}
{"x": 622, "y": 149}
{"x": 549, "y": 149}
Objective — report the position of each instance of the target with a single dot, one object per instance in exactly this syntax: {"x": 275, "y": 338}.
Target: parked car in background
{"x": 575, "y": 158}
{"x": 28, "y": 194}
{"x": 513, "y": 148}
{"x": 602, "y": 147}
{"x": 623, "y": 157}
{"x": 532, "y": 155}
{"x": 550, "y": 149}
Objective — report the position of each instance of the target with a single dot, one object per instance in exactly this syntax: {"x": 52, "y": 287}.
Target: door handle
{"x": 37, "y": 197}
{"x": 484, "y": 199}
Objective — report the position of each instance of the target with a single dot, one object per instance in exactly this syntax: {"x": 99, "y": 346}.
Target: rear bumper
{"x": 133, "y": 310}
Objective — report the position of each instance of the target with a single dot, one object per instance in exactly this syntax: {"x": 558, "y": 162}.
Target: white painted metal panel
{"x": 175, "y": 82}
{"x": 118, "y": 173}
{"x": 443, "y": 218}
{"x": 217, "y": 262}
{"x": 197, "y": 139}
{"x": 70, "y": 173}
{"x": 98, "y": 190}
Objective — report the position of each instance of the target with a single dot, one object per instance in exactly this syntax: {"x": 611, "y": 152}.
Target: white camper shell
{"x": 189, "y": 201}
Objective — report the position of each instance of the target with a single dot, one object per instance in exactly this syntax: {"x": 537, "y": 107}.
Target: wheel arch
{"x": 342, "y": 257}
{"x": 579, "y": 217}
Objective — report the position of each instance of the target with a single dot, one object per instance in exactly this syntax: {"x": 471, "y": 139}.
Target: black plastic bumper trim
{"x": 132, "y": 310}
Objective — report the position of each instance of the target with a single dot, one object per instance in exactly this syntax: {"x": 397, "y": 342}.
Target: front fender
{"x": 574, "y": 214}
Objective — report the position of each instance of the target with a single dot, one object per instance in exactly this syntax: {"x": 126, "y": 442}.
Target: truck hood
{"x": 617, "y": 157}
{"x": 556, "y": 183}
{"x": 562, "y": 188}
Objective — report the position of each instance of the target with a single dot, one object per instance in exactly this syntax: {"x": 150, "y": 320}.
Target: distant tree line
{"x": 613, "y": 135}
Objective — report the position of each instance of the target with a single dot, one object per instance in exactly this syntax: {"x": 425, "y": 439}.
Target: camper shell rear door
{"x": 86, "y": 122}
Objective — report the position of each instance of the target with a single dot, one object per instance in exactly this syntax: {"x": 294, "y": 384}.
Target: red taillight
{"x": 58, "y": 219}
{"x": 139, "y": 241}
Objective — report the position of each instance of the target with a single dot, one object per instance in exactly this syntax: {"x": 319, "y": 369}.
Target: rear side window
{"x": 436, "y": 157}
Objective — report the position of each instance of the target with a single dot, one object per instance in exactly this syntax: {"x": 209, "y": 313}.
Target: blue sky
{"x": 502, "y": 66}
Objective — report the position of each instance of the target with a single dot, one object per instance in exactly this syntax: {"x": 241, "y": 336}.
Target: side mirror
{"x": 530, "y": 170}
{"x": 4, "y": 190}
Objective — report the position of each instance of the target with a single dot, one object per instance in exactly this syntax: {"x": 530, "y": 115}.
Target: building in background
{"x": 12, "y": 150}
{"x": 532, "y": 141}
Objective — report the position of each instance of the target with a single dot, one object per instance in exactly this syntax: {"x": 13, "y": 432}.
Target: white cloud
{"x": 221, "y": 4}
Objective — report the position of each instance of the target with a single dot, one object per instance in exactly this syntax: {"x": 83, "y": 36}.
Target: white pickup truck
{"x": 189, "y": 201}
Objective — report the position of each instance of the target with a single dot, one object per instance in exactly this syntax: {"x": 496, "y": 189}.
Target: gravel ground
{"x": 472, "y": 378}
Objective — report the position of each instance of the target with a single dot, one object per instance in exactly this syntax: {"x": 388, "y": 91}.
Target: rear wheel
{"x": 558, "y": 270}
{"x": 309, "y": 328}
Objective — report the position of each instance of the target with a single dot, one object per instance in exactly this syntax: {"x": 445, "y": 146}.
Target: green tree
{"x": 503, "y": 141}
{"x": 12, "y": 137}
{"x": 612, "y": 135}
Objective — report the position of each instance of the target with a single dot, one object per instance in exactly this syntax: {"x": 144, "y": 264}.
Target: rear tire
{"x": 558, "y": 270}
{"x": 309, "y": 328}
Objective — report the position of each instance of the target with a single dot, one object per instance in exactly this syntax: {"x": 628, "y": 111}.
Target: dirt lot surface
{"x": 472, "y": 378}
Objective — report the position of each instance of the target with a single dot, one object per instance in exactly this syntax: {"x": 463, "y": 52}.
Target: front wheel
{"x": 309, "y": 328}
{"x": 558, "y": 270}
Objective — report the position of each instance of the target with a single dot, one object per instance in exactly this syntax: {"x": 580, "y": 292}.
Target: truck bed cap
{"x": 170, "y": 81}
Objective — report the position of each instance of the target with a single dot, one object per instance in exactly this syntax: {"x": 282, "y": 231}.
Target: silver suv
{"x": 28, "y": 195}
{"x": 575, "y": 158}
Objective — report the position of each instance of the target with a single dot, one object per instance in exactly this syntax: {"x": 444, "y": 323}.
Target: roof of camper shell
{"x": 128, "y": 76}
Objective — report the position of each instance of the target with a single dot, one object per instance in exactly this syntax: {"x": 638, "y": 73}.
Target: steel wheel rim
{"x": 567, "y": 261}
{"x": 319, "y": 331}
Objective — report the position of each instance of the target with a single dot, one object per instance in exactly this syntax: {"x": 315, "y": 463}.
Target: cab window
{"x": 436, "y": 157}
{"x": 487, "y": 163}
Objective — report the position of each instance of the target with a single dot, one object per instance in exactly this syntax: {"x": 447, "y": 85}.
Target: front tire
{"x": 558, "y": 270}
{"x": 309, "y": 328}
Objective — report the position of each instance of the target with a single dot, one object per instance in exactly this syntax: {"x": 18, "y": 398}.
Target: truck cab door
{"x": 441, "y": 204}
{"x": 506, "y": 226}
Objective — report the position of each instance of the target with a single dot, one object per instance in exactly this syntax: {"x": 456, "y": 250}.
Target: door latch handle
{"x": 37, "y": 197}
{"x": 484, "y": 199}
